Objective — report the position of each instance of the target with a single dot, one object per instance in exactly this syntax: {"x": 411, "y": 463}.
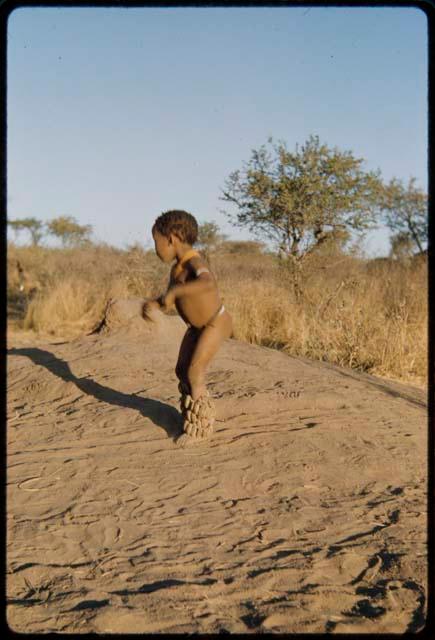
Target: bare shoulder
{"x": 198, "y": 265}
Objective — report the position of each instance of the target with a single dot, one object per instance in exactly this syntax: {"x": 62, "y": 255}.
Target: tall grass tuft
{"x": 370, "y": 315}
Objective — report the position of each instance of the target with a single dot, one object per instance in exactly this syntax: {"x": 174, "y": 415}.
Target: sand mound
{"x": 127, "y": 313}
{"x": 120, "y": 312}
{"x": 124, "y": 315}
{"x": 305, "y": 512}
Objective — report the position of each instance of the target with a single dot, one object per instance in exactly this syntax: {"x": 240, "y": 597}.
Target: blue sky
{"x": 115, "y": 115}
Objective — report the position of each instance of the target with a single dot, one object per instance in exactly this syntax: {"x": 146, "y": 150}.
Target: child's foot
{"x": 185, "y": 397}
{"x": 198, "y": 417}
{"x": 184, "y": 440}
{"x": 183, "y": 387}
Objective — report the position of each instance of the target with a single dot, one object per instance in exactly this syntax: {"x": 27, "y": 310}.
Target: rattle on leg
{"x": 198, "y": 407}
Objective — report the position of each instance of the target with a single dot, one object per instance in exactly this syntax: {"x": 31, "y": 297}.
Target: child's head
{"x": 171, "y": 228}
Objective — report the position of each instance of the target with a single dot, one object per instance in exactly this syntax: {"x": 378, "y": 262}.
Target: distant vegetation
{"x": 316, "y": 196}
{"x": 370, "y": 315}
{"x": 65, "y": 228}
{"x": 314, "y": 294}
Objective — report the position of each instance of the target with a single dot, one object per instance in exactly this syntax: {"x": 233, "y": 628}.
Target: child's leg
{"x": 209, "y": 341}
{"x": 206, "y": 347}
{"x": 185, "y": 354}
{"x": 199, "y": 411}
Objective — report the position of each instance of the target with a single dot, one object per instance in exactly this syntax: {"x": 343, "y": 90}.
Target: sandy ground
{"x": 305, "y": 512}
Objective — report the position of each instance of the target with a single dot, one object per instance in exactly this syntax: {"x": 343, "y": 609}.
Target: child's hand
{"x": 167, "y": 300}
{"x": 148, "y": 307}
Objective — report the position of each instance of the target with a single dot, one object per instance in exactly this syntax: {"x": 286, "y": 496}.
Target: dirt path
{"x": 306, "y": 512}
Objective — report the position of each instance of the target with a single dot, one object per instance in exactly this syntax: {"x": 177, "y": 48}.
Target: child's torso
{"x": 196, "y": 309}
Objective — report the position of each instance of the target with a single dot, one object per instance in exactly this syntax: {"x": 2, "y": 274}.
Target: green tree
{"x": 334, "y": 242}
{"x": 209, "y": 237}
{"x": 296, "y": 199}
{"x": 32, "y": 225}
{"x": 405, "y": 211}
{"x": 16, "y": 227}
{"x": 69, "y": 231}
{"x": 402, "y": 245}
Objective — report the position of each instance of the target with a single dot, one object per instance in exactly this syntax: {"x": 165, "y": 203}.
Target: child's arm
{"x": 159, "y": 302}
{"x": 203, "y": 282}
{"x": 161, "y": 299}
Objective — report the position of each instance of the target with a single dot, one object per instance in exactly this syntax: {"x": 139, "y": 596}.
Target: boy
{"x": 193, "y": 289}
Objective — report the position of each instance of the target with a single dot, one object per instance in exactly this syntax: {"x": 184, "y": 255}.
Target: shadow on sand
{"x": 163, "y": 415}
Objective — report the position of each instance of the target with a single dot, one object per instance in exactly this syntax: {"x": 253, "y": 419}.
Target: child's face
{"x": 164, "y": 247}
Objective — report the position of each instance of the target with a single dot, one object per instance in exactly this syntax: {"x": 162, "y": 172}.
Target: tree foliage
{"x": 335, "y": 242}
{"x": 402, "y": 245}
{"x": 405, "y": 211}
{"x": 69, "y": 231}
{"x": 209, "y": 236}
{"x": 297, "y": 198}
{"x": 34, "y": 226}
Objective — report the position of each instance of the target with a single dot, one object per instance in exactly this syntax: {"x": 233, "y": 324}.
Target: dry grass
{"x": 369, "y": 315}
{"x": 373, "y": 320}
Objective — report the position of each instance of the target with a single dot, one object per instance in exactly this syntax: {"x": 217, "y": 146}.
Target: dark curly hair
{"x": 179, "y": 222}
